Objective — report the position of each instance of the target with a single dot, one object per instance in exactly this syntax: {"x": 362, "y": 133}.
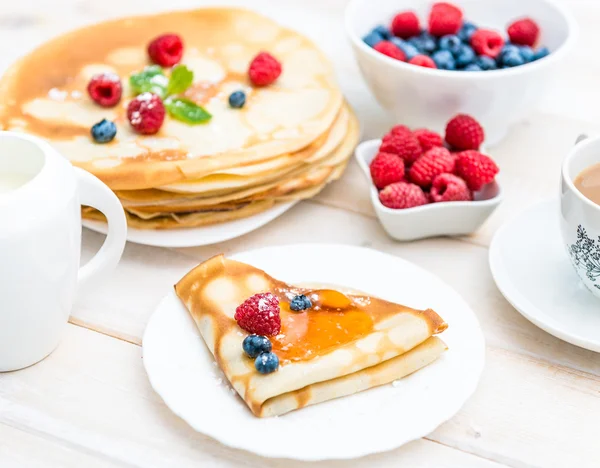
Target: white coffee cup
{"x": 580, "y": 217}
{"x": 40, "y": 244}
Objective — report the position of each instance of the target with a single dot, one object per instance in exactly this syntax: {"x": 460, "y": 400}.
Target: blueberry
{"x": 509, "y": 49}
{"x": 541, "y": 53}
{"x": 237, "y": 99}
{"x": 300, "y": 302}
{"x": 104, "y": 131}
{"x": 416, "y": 42}
{"x": 465, "y": 56}
{"x": 512, "y": 59}
{"x": 444, "y": 60}
{"x": 486, "y": 63}
{"x": 467, "y": 31}
{"x": 450, "y": 43}
{"x": 472, "y": 67}
{"x": 425, "y": 43}
{"x": 428, "y": 42}
{"x": 383, "y": 32}
{"x": 372, "y": 39}
{"x": 409, "y": 50}
{"x": 527, "y": 53}
{"x": 509, "y": 56}
{"x": 266, "y": 363}
{"x": 255, "y": 344}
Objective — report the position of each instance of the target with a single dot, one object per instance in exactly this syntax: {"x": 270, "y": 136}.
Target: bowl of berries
{"x": 425, "y": 185}
{"x": 427, "y": 61}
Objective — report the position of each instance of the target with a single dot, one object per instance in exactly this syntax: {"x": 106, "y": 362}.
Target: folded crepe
{"x": 347, "y": 342}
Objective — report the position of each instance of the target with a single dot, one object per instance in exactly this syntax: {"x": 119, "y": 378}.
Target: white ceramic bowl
{"x": 424, "y": 97}
{"x": 435, "y": 219}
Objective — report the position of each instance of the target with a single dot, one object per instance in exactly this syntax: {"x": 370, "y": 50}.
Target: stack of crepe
{"x": 346, "y": 343}
{"x": 289, "y": 140}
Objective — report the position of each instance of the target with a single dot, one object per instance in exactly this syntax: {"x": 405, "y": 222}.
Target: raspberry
{"x": 386, "y": 169}
{"x": 146, "y": 113}
{"x": 166, "y": 50}
{"x": 524, "y": 32}
{"x": 463, "y": 132}
{"x": 402, "y": 195}
{"x": 444, "y": 19}
{"x": 396, "y": 130}
{"x": 405, "y": 25}
{"x": 448, "y": 187}
{"x": 487, "y": 42}
{"x": 259, "y": 314}
{"x": 434, "y": 162}
{"x": 455, "y": 154}
{"x": 389, "y": 49}
{"x": 105, "y": 89}
{"x": 264, "y": 69}
{"x": 423, "y": 61}
{"x": 428, "y": 139}
{"x": 475, "y": 169}
{"x": 403, "y": 144}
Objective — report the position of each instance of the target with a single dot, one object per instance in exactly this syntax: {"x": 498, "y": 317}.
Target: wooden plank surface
{"x": 538, "y": 404}
{"x": 29, "y": 449}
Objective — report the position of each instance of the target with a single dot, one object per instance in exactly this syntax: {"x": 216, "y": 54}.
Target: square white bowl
{"x": 425, "y": 97}
{"x": 435, "y": 219}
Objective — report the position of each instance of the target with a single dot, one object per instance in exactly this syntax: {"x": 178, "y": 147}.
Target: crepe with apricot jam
{"x": 343, "y": 344}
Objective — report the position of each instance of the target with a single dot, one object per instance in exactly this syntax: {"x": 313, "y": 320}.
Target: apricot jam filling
{"x": 333, "y": 321}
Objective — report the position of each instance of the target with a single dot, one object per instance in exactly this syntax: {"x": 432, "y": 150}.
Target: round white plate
{"x": 532, "y": 270}
{"x": 193, "y": 237}
{"x": 184, "y": 374}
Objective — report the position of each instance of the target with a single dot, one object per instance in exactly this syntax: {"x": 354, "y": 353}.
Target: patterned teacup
{"x": 580, "y": 217}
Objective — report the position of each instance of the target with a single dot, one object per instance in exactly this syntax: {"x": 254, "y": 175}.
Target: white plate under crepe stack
{"x": 289, "y": 140}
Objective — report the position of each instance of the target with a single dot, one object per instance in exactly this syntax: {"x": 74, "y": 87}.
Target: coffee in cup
{"x": 588, "y": 183}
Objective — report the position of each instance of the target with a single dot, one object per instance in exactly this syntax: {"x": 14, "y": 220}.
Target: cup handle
{"x": 94, "y": 193}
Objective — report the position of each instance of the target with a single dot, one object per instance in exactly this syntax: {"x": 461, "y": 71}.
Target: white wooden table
{"x": 538, "y": 404}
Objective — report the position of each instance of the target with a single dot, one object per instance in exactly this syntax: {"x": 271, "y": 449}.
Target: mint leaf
{"x": 186, "y": 111}
{"x": 181, "y": 79}
{"x": 150, "y": 80}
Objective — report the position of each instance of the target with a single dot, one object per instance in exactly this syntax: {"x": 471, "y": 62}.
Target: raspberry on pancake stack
{"x": 189, "y": 124}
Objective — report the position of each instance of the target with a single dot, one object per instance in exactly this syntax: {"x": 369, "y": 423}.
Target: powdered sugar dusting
{"x": 57, "y": 95}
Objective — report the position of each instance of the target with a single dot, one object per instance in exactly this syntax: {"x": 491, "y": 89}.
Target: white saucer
{"x": 193, "y": 237}
{"x": 184, "y": 374}
{"x": 533, "y": 271}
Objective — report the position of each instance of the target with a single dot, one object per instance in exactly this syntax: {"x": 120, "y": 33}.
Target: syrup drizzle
{"x": 333, "y": 320}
